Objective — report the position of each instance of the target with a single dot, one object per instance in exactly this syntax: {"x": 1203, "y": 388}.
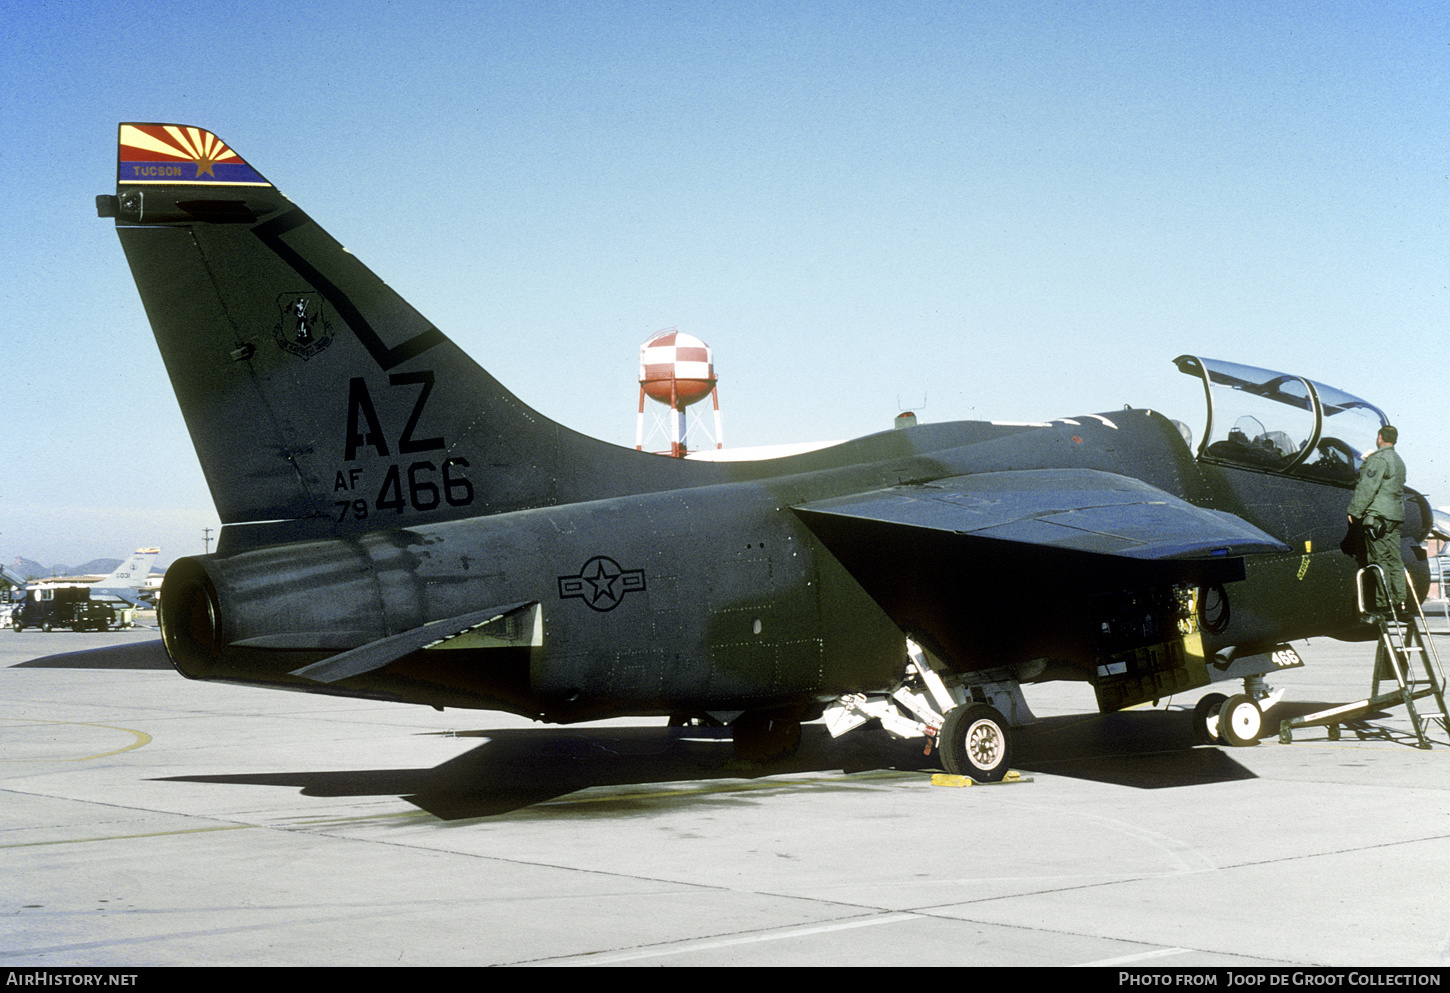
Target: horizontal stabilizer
{"x": 465, "y": 630}
{"x": 1070, "y": 510}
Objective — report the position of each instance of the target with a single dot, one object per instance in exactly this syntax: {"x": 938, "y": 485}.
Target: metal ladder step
{"x": 1401, "y": 642}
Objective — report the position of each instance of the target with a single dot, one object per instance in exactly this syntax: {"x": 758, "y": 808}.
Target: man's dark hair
{"x": 1390, "y": 434}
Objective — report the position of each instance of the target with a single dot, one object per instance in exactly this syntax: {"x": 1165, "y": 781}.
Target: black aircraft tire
{"x": 976, "y": 742}
{"x": 1207, "y": 710}
{"x": 1240, "y": 721}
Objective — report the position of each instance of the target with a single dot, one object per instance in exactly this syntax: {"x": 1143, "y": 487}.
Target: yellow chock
{"x": 946, "y": 779}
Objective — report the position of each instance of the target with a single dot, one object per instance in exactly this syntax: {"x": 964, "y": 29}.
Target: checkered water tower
{"x": 676, "y": 370}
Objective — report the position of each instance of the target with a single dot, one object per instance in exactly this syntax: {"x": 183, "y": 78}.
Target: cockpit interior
{"x": 1275, "y": 422}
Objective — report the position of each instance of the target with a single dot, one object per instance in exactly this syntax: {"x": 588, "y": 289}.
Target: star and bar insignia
{"x": 601, "y": 583}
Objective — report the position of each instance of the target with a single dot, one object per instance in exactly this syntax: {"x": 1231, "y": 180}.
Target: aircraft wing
{"x": 126, "y": 594}
{"x": 1074, "y": 520}
{"x": 467, "y": 630}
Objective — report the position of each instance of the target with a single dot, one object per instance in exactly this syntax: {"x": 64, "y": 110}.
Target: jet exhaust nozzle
{"x": 190, "y": 619}
{"x": 260, "y": 614}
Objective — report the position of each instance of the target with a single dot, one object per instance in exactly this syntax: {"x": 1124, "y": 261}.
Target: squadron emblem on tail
{"x": 302, "y": 328}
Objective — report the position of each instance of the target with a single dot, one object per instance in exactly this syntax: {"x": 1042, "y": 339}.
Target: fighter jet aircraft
{"x": 397, "y": 525}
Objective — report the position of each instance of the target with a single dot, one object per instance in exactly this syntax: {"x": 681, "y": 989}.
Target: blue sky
{"x": 1011, "y": 210}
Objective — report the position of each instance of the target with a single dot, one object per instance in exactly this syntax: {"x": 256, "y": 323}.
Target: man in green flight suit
{"x": 1379, "y": 506}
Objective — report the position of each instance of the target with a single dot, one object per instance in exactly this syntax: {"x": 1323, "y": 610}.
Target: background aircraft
{"x": 129, "y": 581}
{"x": 10, "y": 578}
{"x": 398, "y": 525}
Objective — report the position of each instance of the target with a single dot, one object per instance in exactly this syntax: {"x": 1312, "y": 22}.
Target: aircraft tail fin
{"x": 132, "y": 573}
{"x": 314, "y": 394}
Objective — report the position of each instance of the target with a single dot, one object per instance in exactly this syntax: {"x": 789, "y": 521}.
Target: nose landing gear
{"x": 974, "y": 741}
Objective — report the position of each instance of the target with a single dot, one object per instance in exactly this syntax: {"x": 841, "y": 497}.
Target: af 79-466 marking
{"x": 423, "y": 485}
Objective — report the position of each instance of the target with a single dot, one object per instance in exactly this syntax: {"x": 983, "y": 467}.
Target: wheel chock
{"x": 947, "y": 779}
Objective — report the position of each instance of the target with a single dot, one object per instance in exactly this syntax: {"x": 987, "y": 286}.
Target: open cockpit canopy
{"x": 1279, "y": 423}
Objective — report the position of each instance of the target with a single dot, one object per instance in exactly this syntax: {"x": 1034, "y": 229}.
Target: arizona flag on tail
{"x": 174, "y": 155}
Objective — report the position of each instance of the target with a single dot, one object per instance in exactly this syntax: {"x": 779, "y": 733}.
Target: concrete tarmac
{"x": 147, "y": 820}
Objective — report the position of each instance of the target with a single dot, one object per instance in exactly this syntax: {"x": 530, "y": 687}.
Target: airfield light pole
{"x": 206, "y": 541}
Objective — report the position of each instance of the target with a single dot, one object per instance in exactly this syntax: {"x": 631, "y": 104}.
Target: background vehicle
{"x": 66, "y": 606}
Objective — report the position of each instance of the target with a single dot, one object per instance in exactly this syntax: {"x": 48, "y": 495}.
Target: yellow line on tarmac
{"x": 142, "y": 738}
{"x": 763, "y": 783}
{"x": 132, "y": 837}
{"x": 584, "y": 795}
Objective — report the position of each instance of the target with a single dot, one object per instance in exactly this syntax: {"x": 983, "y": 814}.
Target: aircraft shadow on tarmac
{"x": 133, "y": 655}
{"x": 521, "y": 768}
{"x": 515, "y": 769}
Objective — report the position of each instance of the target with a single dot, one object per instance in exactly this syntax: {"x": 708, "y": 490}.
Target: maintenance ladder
{"x": 1403, "y": 651}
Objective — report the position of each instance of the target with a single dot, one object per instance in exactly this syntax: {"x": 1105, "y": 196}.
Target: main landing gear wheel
{"x": 1240, "y": 721}
{"x": 974, "y": 741}
{"x": 1205, "y": 718}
